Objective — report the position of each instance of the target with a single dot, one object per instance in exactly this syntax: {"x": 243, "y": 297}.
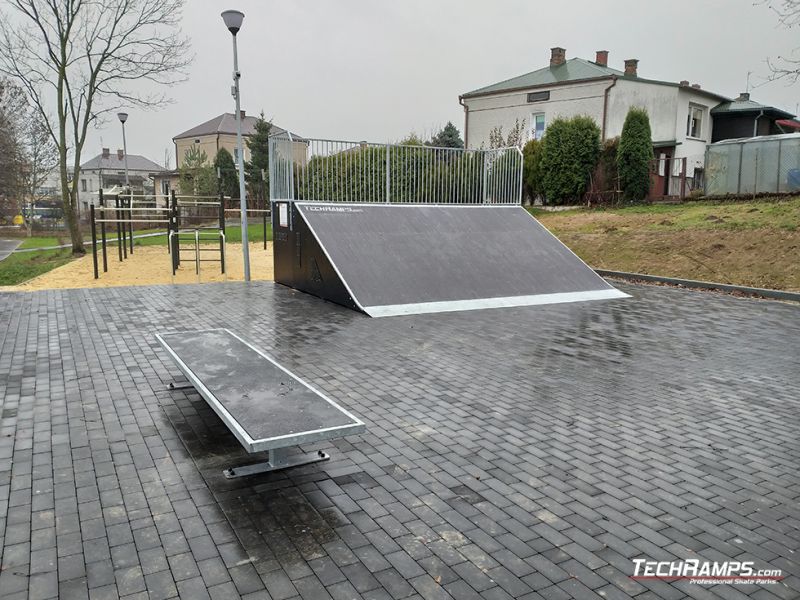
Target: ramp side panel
{"x": 301, "y": 263}
{"x": 265, "y": 405}
{"x": 392, "y": 255}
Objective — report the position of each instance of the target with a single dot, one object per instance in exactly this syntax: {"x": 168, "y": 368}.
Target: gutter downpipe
{"x": 755, "y": 123}
{"x": 466, "y": 121}
{"x": 605, "y": 106}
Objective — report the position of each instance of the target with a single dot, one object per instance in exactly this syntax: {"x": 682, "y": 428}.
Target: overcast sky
{"x": 379, "y": 69}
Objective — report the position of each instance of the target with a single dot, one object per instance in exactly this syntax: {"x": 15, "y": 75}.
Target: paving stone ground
{"x": 517, "y": 453}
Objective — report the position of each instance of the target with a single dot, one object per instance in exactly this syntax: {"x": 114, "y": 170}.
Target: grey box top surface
{"x": 266, "y": 401}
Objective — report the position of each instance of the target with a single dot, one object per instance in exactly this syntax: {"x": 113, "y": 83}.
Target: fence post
{"x": 683, "y": 178}
{"x": 485, "y": 178}
{"x": 388, "y": 175}
{"x": 120, "y": 242}
{"x": 739, "y": 179}
{"x": 130, "y": 217}
{"x": 778, "y": 176}
{"x": 103, "y": 230}
{"x": 94, "y": 241}
{"x": 222, "y": 231}
{"x": 174, "y": 233}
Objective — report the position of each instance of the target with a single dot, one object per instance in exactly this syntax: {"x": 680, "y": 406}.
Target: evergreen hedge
{"x": 634, "y": 154}
{"x": 570, "y": 149}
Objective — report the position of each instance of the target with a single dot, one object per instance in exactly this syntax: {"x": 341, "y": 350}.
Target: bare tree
{"x": 79, "y": 60}
{"x": 12, "y": 105}
{"x": 516, "y": 136}
{"x": 785, "y": 67}
{"x": 40, "y": 156}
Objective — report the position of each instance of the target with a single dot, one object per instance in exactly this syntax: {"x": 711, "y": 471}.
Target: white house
{"x": 107, "y": 170}
{"x": 680, "y": 114}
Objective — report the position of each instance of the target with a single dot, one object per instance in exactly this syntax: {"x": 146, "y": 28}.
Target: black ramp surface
{"x": 265, "y": 401}
{"x": 396, "y": 258}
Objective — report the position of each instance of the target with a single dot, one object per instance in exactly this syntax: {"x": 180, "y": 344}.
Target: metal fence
{"x": 339, "y": 171}
{"x": 761, "y": 165}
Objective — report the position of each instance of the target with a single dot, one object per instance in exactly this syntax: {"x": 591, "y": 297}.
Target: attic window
{"x": 538, "y": 96}
{"x": 197, "y": 141}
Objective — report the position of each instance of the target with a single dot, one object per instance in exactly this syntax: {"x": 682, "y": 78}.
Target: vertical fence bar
{"x": 94, "y": 241}
{"x": 778, "y": 174}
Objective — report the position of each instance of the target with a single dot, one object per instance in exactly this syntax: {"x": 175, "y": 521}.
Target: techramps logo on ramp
{"x": 334, "y": 209}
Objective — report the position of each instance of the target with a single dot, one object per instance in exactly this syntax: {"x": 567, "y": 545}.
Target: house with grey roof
{"x": 680, "y": 113}
{"x": 217, "y": 133}
{"x": 107, "y": 170}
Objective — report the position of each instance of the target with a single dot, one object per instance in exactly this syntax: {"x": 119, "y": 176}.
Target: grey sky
{"x": 378, "y": 69}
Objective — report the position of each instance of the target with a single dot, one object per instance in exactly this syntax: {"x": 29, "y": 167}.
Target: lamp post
{"x": 233, "y": 21}
{"x": 122, "y": 118}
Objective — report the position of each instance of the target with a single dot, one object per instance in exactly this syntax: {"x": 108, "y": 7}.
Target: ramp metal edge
{"x": 393, "y": 310}
{"x": 259, "y": 445}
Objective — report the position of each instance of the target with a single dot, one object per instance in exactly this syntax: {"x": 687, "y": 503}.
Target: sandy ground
{"x": 151, "y": 265}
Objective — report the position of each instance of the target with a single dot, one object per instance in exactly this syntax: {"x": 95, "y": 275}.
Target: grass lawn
{"x": 748, "y": 243}
{"x": 22, "y": 266}
{"x": 255, "y": 233}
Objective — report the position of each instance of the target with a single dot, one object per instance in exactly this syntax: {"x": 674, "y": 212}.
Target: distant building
{"x": 209, "y": 137}
{"x": 683, "y": 116}
{"x": 744, "y": 118}
{"x": 217, "y": 133}
{"x": 107, "y": 170}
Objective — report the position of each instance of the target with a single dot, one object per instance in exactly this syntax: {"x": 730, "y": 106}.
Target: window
{"x": 83, "y": 185}
{"x": 694, "y": 121}
{"x": 165, "y": 187}
{"x": 539, "y": 96}
{"x": 537, "y": 126}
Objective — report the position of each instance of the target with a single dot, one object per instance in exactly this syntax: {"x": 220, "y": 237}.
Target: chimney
{"x": 106, "y": 152}
{"x": 601, "y": 58}
{"x": 743, "y": 97}
{"x": 631, "y": 66}
{"x": 695, "y": 86}
{"x": 684, "y": 83}
{"x": 241, "y": 114}
{"x": 120, "y": 153}
{"x": 558, "y": 56}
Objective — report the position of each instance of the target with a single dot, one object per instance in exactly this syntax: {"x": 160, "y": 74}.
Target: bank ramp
{"x": 402, "y": 259}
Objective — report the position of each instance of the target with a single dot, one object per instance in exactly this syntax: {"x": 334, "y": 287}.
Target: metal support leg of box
{"x": 279, "y": 459}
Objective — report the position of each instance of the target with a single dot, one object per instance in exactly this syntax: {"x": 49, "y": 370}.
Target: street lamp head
{"x": 233, "y": 20}
{"x": 122, "y": 117}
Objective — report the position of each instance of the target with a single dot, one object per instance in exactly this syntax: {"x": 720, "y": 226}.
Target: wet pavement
{"x": 512, "y": 453}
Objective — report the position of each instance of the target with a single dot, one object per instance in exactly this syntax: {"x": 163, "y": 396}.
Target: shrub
{"x": 226, "y": 172}
{"x": 570, "y": 149}
{"x": 634, "y": 156}
{"x": 532, "y": 169}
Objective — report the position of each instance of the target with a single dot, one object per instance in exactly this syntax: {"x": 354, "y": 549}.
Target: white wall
{"x": 487, "y": 112}
{"x": 660, "y": 102}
